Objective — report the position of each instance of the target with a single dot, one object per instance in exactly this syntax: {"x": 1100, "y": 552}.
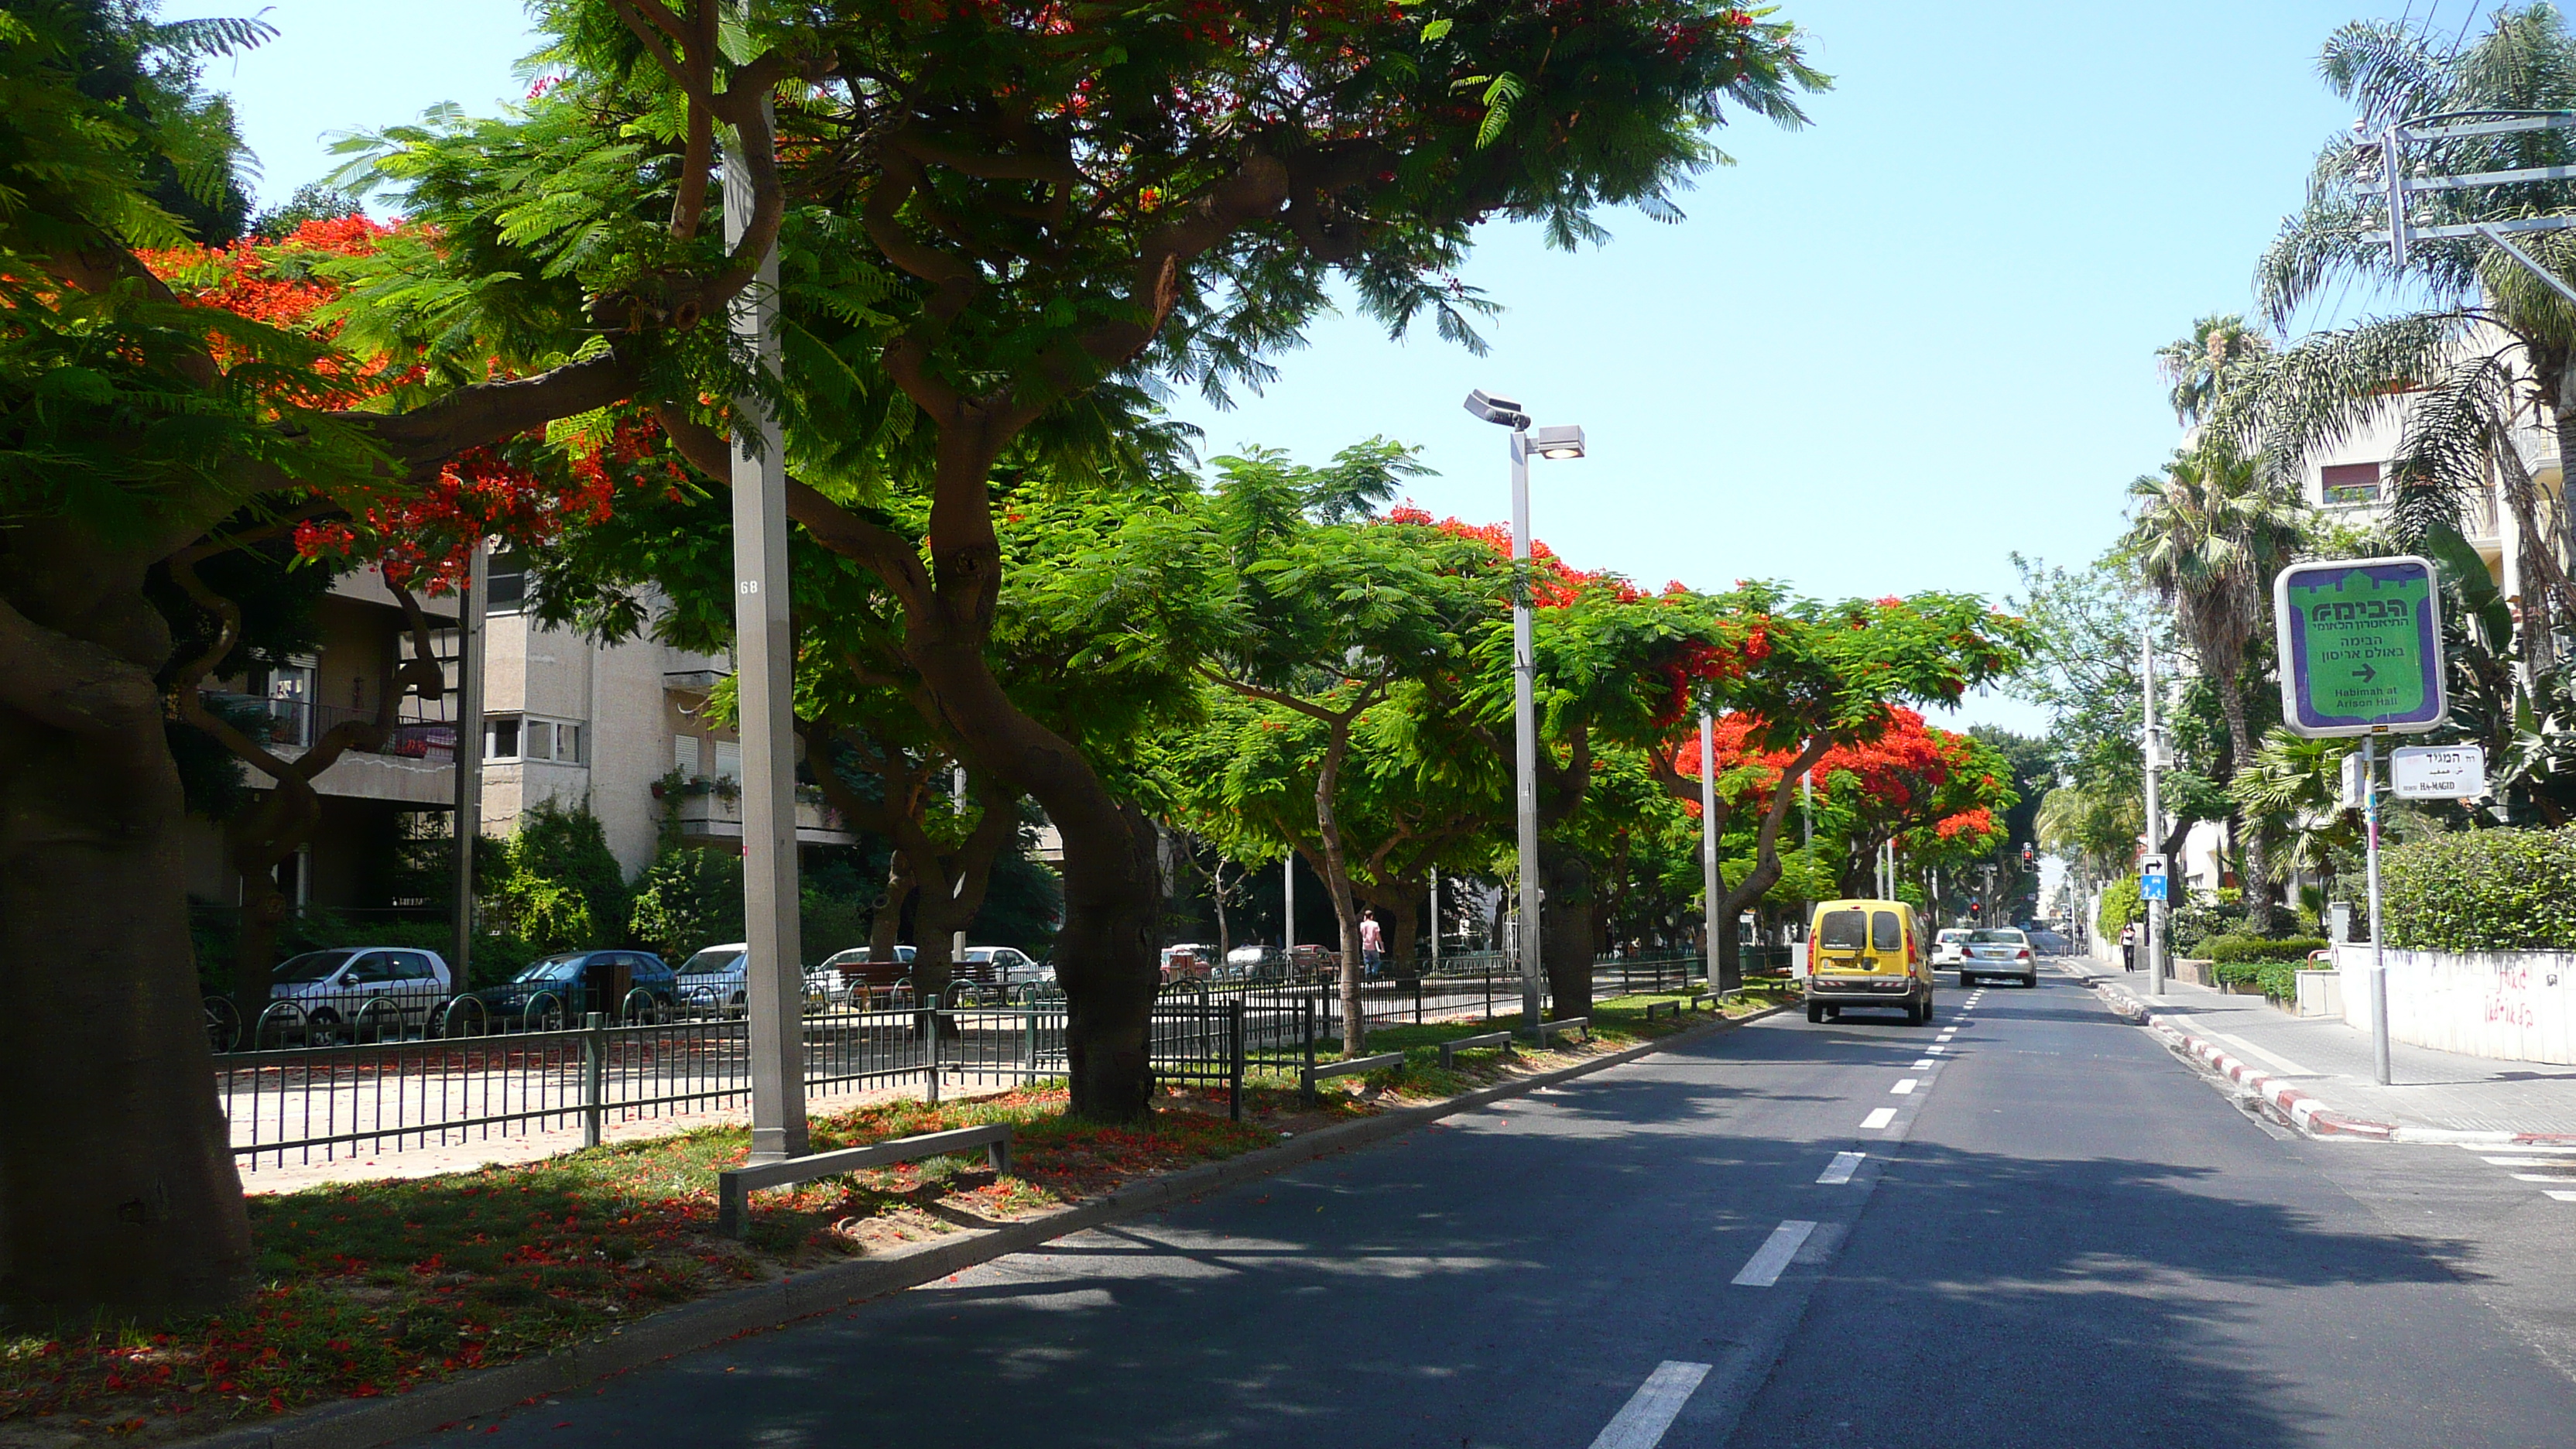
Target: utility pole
{"x": 2378, "y": 938}
{"x": 471, "y": 602}
{"x": 2155, "y": 932}
{"x": 1709, "y": 878}
{"x": 764, "y": 662}
{"x": 1435, "y": 919}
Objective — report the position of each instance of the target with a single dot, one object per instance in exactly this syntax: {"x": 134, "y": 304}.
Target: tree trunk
{"x": 117, "y": 1191}
{"x": 1337, "y": 884}
{"x": 2257, "y": 881}
{"x": 1216, "y": 896}
{"x": 1566, "y": 932}
{"x": 258, "y": 841}
{"x": 885, "y": 928}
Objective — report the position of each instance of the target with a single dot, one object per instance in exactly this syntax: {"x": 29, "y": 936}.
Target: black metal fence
{"x": 388, "y": 1080}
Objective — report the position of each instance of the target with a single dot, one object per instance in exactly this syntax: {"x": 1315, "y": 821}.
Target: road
{"x": 2059, "y": 1236}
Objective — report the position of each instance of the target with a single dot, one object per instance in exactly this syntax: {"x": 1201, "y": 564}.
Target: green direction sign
{"x": 2361, "y": 647}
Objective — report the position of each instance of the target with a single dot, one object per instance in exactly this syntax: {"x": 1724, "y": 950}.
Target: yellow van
{"x": 1868, "y": 953}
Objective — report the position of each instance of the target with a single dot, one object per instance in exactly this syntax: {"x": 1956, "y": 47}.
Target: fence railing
{"x": 383, "y": 1083}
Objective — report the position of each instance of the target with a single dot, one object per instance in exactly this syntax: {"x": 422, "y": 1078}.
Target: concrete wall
{"x": 2515, "y": 1006}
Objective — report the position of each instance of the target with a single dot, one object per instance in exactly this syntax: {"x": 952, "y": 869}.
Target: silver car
{"x": 1998, "y": 951}
{"x": 345, "y": 985}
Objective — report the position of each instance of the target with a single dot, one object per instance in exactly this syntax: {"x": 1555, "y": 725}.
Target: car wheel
{"x": 1927, "y": 1008}
{"x": 1967, "y": 979}
{"x": 1815, "y": 1012}
{"x": 2031, "y": 982}
{"x": 1913, "y": 1013}
{"x": 322, "y": 1028}
{"x": 1833, "y": 1013}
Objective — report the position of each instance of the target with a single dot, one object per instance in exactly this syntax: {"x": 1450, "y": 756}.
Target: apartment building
{"x": 620, "y": 728}
{"x": 364, "y": 640}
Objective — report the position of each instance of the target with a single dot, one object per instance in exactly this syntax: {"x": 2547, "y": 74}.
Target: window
{"x": 505, "y": 582}
{"x": 2352, "y": 483}
{"x": 728, "y": 759}
{"x": 521, "y": 737}
{"x": 1884, "y": 933}
{"x": 1841, "y": 930}
{"x": 684, "y": 755}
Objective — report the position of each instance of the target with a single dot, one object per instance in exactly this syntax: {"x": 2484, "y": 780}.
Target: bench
{"x": 1449, "y": 1049}
{"x": 1662, "y": 1008}
{"x": 1545, "y": 1029}
{"x": 734, "y": 1185}
{"x": 1355, "y": 1066}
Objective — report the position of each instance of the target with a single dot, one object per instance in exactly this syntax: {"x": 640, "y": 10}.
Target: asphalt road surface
{"x": 2026, "y": 1224}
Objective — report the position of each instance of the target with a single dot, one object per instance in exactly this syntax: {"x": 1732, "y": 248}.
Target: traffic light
{"x": 2026, "y": 855}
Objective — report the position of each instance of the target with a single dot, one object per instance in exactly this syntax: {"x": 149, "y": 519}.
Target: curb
{"x": 366, "y": 1423}
{"x": 2290, "y": 1105}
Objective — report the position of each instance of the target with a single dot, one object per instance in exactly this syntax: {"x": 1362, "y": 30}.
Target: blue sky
{"x": 1883, "y": 353}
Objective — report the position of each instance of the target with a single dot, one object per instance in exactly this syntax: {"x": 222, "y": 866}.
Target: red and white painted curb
{"x": 2299, "y": 1109}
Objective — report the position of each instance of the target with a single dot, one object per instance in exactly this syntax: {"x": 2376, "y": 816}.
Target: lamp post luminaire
{"x": 1556, "y": 442}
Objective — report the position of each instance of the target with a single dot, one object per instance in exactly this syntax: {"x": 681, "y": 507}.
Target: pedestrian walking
{"x": 1372, "y": 941}
{"x": 2129, "y": 947}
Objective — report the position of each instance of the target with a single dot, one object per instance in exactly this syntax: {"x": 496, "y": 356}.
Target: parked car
{"x": 561, "y": 989}
{"x": 1950, "y": 945}
{"x": 1256, "y": 963}
{"x": 338, "y": 988}
{"x": 1186, "y": 963}
{"x": 713, "y": 979}
{"x": 1008, "y": 970}
{"x": 1998, "y": 951}
{"x": 855, "y": 974}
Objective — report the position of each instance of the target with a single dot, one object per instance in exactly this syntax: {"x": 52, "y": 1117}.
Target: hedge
{"x": 2484, "y": 890}
{"x": 2278, "y": 980}
{"x": 2258, "y": 948}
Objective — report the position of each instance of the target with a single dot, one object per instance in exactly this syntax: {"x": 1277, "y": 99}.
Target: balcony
{"x": 417, "y": 765}
{"x": 709, "y": 811}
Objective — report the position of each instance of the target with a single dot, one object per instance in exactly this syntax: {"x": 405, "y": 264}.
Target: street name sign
{"x": 2439, "y": 772}
{"x": 2361, "y": 647}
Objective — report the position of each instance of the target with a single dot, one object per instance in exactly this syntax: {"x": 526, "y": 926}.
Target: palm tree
{"x": 2202, "y": 367}
{"x": 2207, "y": 536}
{"x": 2497, "y": 340}
{"x": 2292, "y": 796}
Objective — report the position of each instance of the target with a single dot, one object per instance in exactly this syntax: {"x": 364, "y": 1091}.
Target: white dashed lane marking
{"x": 1905, "y": 1088}
{"x": 1768, "y": 1261}
{"x": 1840, "y": 1170}
{"x": 1651, "y": 1410}
{"x": 1878, "y": 1119}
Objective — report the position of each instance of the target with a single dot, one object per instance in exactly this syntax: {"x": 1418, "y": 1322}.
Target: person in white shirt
{"x": 2129, "y": 947}
{"x": 1372, "y": 941}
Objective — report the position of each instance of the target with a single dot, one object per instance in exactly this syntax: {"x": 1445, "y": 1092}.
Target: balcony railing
{"x": 294, "y": 724}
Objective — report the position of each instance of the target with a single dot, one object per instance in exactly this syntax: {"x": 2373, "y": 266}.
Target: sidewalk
{"x": 2317, "y": 1070}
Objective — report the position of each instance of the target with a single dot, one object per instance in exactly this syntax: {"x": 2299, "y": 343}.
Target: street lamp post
{"x": 1708, "y": 876}
{"x": 1557, "y": 442}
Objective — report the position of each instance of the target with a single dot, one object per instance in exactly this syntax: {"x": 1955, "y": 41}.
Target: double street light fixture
{"x": 1556, "y": 442}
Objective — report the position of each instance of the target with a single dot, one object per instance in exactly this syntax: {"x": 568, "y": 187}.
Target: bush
{"x": 2485, "y": 890}
{"x": 2276, "y": 979}
{"x": 2201, "y": 920}
{"x": 2120, "y": 907}
{"x": 2256, "y": 949}
{"x": 688, "y": 900}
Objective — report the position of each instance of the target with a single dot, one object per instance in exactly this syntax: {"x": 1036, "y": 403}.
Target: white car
{"x": 332, "y": 987}
{"x": 1950, "y": 945}
{"x": 1998, "y": 951}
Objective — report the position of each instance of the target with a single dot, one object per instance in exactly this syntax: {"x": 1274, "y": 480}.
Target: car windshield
{"x": 1956, "y": 935}
{"x": 713, "y": 961}
{"x": 550, "y": 969}
{"x": 311, "y": 966}
{"x": 1998, "y": 938}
